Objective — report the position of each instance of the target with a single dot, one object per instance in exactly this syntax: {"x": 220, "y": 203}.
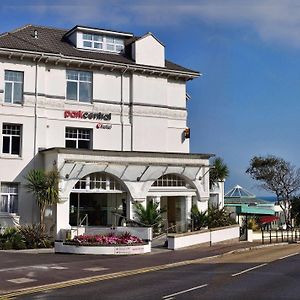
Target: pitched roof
{"x": 239, "y": 191}
{"x": 52, "y": 41}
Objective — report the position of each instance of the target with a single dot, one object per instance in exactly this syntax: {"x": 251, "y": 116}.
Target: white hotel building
{"x": 109, "y": 112}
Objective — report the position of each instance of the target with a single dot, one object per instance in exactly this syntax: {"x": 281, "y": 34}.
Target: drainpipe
{"x": 131, "y": 113}
{"x": 122, "y": 107}
{"x": 35, "y": 113}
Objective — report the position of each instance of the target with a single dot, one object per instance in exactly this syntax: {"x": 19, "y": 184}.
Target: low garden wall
{"x": 212, "y": 236}
{"x": 61, "y": 247}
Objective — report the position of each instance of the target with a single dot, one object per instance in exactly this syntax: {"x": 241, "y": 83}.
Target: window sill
{"x": 10, "y": 156}
{"x": 13, "y": 104}
{"x": 75, "y": 102}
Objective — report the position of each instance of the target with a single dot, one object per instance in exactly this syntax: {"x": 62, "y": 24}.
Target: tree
{"x": 279, "y": 177}
{"x": 149, "y": 216}
{"x": 44, "y": 185}
{"x": 218, "y": 172}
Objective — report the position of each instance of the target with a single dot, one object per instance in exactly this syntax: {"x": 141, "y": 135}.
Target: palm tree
{"x": 149, "y": 216}
{"x": 44, "y": 185}
{"x": 218, "y": 172}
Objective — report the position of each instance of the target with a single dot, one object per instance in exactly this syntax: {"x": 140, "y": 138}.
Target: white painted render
{"x": 149, "y": 51}
{"x": 148, "y": 119}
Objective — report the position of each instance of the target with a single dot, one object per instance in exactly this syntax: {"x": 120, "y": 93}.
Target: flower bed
{"x": 105, "y": 240}
{"x": 104, "y": 244}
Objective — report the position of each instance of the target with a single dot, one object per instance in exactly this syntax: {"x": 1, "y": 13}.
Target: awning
{"x": 245, "y": 209}
{"x": 268, "y": 219}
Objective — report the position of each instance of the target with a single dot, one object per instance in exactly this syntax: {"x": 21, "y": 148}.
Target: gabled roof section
{"x": 52, "y": 41}
{"x": 150, "y": 34}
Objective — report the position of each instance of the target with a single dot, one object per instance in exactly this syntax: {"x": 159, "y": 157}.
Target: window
{"x": 11, "y": 139}
{"x": 78, "y": 138}
{"x": 102, "y": 42}
{"x": 114, "y": 44}
{"x": 98, "y": 181}
{"x": 79, "y": 86}
{"x": 172, "y": 181}
{"x": 92, "y": 41}
{"x": 13, "y": 87}
{"x": 9, "y": 198}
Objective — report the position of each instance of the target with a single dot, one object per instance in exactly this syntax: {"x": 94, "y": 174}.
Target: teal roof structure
{"x": 247, "y": 203}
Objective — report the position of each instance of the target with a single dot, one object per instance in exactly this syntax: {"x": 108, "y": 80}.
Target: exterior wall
{"x": 148, "y": 113}
{"x": 148, "y": 51}
{"x": 158, "y": 109}
{"x": 217, "y": 195}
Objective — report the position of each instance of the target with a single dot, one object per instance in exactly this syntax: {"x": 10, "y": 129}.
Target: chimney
{"x": 35, "y": 34}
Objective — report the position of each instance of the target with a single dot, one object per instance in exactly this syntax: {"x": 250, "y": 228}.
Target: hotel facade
{"x": 108, "y": 111}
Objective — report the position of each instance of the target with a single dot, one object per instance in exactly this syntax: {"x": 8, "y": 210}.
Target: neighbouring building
{"x": 108, "y": 111}
{"x": 244, "y": 205}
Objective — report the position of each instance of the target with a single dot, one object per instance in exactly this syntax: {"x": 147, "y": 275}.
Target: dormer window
{"x": 92, "y": 41}
{"x": 102, "y": 42}
{"x": 96, "y": 39}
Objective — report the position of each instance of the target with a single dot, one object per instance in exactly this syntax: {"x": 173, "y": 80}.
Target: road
{"x": 265, "y": 273}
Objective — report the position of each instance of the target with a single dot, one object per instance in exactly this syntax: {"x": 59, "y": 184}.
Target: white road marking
{"x": 42, "y": 267}
{"x": 248, "y": 270}
{"x": 95, "y": 269}
{"x": 21, "y": 280}
{"x": 59, "y": 268}
{"x": 185, "y": 291}
{"x": 293, "y": 254}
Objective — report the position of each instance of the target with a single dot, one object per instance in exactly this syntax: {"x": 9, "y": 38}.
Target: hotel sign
{"x": 78, "y": 114}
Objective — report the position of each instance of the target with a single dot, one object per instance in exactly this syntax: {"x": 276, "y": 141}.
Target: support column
{"x": 188, "y": 207}
{"x": 62, "y": 218}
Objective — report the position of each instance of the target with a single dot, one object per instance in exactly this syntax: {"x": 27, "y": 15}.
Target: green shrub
{"x": 150, "y": 216}
{"x": 35, "y": 237}
{"x": 199, "y": 219}
{"x": 12, "y": 239}
{"x": 219, "y": 217}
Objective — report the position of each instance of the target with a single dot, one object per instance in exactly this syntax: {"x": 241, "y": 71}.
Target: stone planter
{"x": 61, "y": 247}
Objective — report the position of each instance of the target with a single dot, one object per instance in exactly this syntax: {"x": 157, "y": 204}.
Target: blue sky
{"x": 248, "y": 100}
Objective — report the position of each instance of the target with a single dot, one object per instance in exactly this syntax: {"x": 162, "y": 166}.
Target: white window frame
{"x": 100, "y": 182}
{"x": 117, "y": 42}
{"x": 11, "y": 135}
{"x": 170, "y": 180}
{"x": 10, "y": 195}
{"x": 93, "y": 40}
{"x": 78, "y": 133}
{"x": 78, "y": 81}
{"x": 13, "y": 82}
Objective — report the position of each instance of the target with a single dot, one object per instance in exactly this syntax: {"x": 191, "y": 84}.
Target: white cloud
{"x": 273, "y": 20}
